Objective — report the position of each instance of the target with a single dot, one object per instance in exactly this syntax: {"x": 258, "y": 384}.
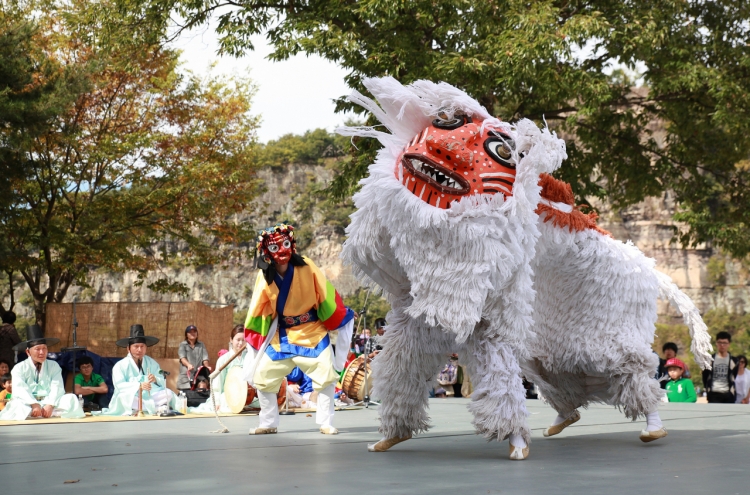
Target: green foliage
{"x": 377, "y": 306}
{"x": 557, "y": 61}
{"x": 312, "y": 148}
{"x": 144, "y": 165}
{"x": 22, "y": 326}
{"x": 738, "y": 326}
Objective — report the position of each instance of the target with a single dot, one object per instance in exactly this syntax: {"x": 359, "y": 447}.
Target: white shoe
{"x": 518, "y": 453}
{"x": 329, "y": 430}
{"x": 385, "y": 444}
{"x": 261, "y": 431}
{"x": 554, "y": 430}
{"x": 650, "y": 436}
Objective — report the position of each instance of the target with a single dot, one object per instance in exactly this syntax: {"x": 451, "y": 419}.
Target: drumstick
{"x": 219, "y": 370}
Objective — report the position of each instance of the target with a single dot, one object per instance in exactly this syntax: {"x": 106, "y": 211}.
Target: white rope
{"x": 223, "y": 429}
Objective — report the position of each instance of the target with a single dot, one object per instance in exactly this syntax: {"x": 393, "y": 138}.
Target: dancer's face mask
{"x": 279, "y": 247}
{"x": 451, "y": 159}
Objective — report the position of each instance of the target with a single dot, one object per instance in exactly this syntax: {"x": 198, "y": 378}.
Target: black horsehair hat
{"x": 34, "y": 336}
{"x": 137, "y": 336}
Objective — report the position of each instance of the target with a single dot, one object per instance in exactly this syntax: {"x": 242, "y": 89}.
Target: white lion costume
{"x": 453, "y": 224}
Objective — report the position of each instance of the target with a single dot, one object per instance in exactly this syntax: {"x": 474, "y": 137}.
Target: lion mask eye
{"x": 272, "y": 248}
{"x": 287, "y": 244}
{"x": 500, "y": 148}
{"x": 443, "y": 122}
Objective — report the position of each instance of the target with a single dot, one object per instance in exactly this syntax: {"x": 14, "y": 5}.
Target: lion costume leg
{"x": 499, "y": 399}
{"x": 402, "y": 374}
{"x": 565, "y": 392}
{"x": 638, "y": 394}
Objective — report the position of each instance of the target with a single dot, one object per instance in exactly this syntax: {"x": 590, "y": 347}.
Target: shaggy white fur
{"x": 460, "y": 279}
{"x": 464, "y": 271}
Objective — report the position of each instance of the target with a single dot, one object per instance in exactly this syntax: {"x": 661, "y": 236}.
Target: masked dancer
{"x": 293, "y": 309}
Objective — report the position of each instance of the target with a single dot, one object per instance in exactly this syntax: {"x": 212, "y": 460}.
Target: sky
{"x": 293, "y": 96}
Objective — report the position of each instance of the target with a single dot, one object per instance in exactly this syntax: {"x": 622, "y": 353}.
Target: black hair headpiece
{"x": 269, "y": 270}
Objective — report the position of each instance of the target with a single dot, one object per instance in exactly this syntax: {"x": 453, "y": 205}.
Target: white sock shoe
{"x": 517, "y": 441}
{"x": 559, "y": 419}
{"x": 653, "y": 421}
{"x": 518, "y": 448}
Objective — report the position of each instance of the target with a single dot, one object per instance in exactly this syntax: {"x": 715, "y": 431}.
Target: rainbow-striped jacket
{"x": 309, "y": 305}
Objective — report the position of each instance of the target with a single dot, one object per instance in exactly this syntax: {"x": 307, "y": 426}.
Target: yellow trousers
{"x": 270, "y": 373}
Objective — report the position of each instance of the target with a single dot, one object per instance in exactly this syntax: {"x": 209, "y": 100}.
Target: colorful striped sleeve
{"x": 260, "y": 314}
{"x": 331, "y": 309}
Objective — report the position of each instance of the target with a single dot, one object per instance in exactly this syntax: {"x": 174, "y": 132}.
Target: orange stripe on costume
{"x": 558, "y": 191}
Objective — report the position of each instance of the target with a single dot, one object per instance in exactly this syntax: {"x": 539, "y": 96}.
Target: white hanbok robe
{"x": 46, "y": 388}
{"x": 127, "y": 379}
{"x": 217, "y": 386}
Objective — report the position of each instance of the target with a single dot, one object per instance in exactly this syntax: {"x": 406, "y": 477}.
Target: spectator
{"x": 4, "y": 367}
{"x": 742, "y": 381}
{"x": 377, "y": 339}
{"x": 719, "y": 380}
{"x": 670, "y": 351}
{"x": 679, "y": 389}
{"x": 360, "y": 341}
{"x": 380, "y": 324}
{"x": 8, "y": 338}
{"x": 90, "y": 385}
{"x": 192, "y": 355}
{"x": 6, "y": 381}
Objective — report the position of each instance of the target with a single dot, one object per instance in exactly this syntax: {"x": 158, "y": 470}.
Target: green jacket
{"x": 681, "y": 390}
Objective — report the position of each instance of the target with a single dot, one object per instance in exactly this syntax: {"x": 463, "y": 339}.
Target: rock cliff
{"x": 707, "y": 277}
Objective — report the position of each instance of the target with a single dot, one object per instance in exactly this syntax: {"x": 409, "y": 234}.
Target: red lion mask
{"x": 451, "y": 159}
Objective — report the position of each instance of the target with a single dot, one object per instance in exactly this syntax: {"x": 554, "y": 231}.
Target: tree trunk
{"x": 56, "y": 290}
{"x": 40, "y": 310}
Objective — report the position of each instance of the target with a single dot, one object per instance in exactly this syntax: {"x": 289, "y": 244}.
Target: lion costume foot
{"x": 518, "y": 453}
{"x": 650, "y": 436}
{"x": 555, "y": 429}
{"x": 261, "y": 431}
{"x": 385, "y": 444}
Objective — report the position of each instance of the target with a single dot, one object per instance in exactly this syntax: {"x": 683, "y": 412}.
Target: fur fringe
{"x": 701, "y": 340}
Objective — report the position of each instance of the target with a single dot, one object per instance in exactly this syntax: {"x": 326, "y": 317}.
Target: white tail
{"x": 701, "y": 340}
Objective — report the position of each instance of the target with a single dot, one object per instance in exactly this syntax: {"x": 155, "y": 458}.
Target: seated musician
{"x": 299, "y": 390}
{"x": 90, "y": 385}
{"x": 237, "y": 344}
{"x": 138, "y": 372}
{"x": 38, "y": 389}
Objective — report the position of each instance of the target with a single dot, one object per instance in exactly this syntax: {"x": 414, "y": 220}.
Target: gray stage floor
{"x": 707, "y": 451}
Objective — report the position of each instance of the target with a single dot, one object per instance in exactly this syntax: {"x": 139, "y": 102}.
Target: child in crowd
{"x": 90, "y": 385}
{"x": 679, "y": 389}
{"x": 7, "y": 383}
{"x": 6, "y": 391}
